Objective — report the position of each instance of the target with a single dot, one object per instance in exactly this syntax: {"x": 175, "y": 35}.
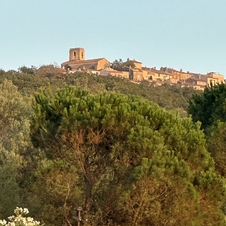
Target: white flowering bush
{"x": 19, "y": 219}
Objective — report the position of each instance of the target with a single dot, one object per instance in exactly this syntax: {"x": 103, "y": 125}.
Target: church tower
{"x": 77, "y": 54}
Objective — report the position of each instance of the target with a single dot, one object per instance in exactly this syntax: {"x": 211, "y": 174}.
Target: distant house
{"x": 177, "y": 77}
{"x": 195, "y": 83}
{"x": 136, "y": 74}
{"x": 78, "y": 62}
{"x": 200, "y": 81}
{"x": 109, "y": 71}
{"x": 159, "y": 75}
{"x": 214, "y": 78}
{"x": 139, "y": 73}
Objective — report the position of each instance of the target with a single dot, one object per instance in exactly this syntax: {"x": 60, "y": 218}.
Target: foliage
{"x": 170, "y": 97}
{"x": 49, "y": 71}
{"x": 27, "y": 70}
{"x": 30, "y": 79}
{"x": 14, "y": 120}
{"x": 2, "y": 72}
{"x": 124, "y": 159}
{"x": 15, "y": 142}
{"x": 163, "y": 195}
{"x": 60, "y": 191}
{"x": 209, "y": 109}
{"x": 9, "y": 188}
{"x": 119, "y": 65}
{"x": 209, "y": 106}
{"x": 119, "y": 148}
{"x": 216, "y": 146}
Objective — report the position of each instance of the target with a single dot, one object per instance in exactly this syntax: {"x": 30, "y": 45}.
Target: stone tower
{"x": 77, "y": 54}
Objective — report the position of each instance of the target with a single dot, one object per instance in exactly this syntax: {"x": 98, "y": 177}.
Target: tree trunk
{"x": 89, "y": 195}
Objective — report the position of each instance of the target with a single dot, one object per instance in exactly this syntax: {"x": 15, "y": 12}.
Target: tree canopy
{"x": 121, "y": 65}
{"x": 103, "y": 145}
{"x": 133, "y": 162}
{"x": 14, "y": 142}
{"x": 30, "y": 79}
{"x": 209, "y": 106}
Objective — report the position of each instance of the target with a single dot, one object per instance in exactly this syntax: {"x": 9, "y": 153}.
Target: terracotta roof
{"x": 82, "y": 61}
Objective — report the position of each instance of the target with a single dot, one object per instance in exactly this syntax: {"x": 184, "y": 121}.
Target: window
{"x": 82, "y": 55}
{"x": 212, "y": 82}
{"x": 74, "y": 54}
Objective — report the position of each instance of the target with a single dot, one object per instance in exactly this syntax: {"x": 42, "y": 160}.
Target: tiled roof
{"x": 74, "y": 62}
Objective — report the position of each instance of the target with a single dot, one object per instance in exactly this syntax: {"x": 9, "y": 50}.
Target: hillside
{"x": 118, "y": 149}
{"x": 171, "y": 97}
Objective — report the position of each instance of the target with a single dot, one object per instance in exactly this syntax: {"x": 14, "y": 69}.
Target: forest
{"x": 127, "y": 154}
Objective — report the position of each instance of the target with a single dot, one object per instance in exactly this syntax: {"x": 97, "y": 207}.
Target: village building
{"x": 160, "y": 75}
{"x": 77, "y": 62}
{"x": 138, "y": 73}
{"x": 200, "y": 81}
{"x": 180, "y": 75}
{"x": 109, "y": 71}
{"x": 197, "y": 81}
{"x": 214, "y": 78}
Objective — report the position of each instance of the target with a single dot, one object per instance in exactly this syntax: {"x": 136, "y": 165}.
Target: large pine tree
{"x": 133, "y": 162}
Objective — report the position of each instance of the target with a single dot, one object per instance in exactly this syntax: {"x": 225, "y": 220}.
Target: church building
{"x": 78, "y": 62}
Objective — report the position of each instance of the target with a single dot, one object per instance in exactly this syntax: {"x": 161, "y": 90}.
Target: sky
{"x": 180, "y": 34}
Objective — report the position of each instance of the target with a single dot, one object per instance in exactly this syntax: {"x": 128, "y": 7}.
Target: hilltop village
{"x": 138, "y": 73}
{"x": 79, "y": 144}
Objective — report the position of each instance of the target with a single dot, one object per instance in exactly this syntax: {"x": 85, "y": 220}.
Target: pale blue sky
{"x": 182, "y": 34}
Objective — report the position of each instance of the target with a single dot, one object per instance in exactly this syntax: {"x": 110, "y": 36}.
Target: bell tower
{"x": 76, "y": 54}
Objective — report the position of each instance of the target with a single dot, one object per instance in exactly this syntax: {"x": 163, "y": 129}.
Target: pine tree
{"x": 133, "y": 162}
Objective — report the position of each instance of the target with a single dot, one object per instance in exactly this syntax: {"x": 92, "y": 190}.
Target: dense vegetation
{"x": 209, "y": 108}
{"x": 30, "y": 80}
{"x": 126, "y": 153}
